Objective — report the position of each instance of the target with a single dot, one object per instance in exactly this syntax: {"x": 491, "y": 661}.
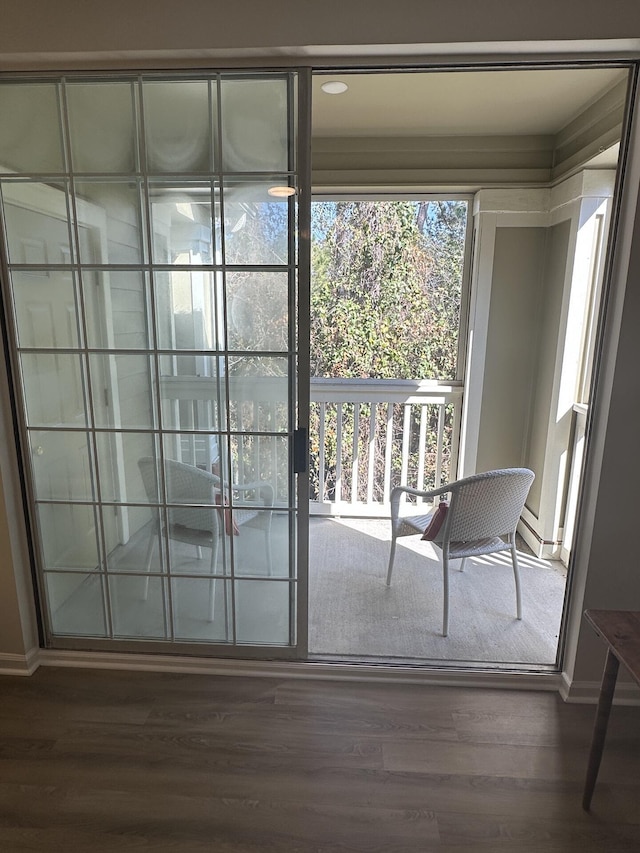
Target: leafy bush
{"x": 385, "y": 304}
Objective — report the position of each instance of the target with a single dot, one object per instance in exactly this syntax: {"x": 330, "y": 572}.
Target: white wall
{"x": 533, "y": 268}
{"x": 286, "y": 27}
{"x": 548, "y": 314}
{"x": 512, "y": 339}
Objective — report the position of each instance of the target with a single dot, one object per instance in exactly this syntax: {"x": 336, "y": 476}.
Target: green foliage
{"x": 385, "y": 293}
{"x": 385, "y": 304}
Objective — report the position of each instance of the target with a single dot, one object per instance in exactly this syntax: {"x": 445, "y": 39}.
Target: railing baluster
{"x": 192, "y": 410}
{"x": 321, "y": 451}
{"x": 387, "y": 453}
{"x": 421, "y": 448}
{"x": 338, "y": 489}
{"x": 208, "y": 424}
{"x": 372, "y": 452}
{"x": 439, "y": 445}
{"x": 356, "y": 452}
{"x": 406, "y": 435}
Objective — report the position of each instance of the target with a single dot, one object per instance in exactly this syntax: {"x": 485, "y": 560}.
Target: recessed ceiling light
{"x": 281, "y": 192}
{"x": 334, "y": 87}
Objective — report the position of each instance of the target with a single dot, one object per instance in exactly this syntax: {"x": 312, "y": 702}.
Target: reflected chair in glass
{"x": 203, "y": 525}
{"x": 481, "y": 518}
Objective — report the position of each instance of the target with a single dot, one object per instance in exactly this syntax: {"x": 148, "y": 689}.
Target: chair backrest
{"x": 486, "y": 505}
{"x": 185, "y": 484}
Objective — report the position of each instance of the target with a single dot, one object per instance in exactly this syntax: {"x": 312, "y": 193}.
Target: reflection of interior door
{"x": 75, "y": 366}
{"x": 46, "y": 304}
{"x": 60, "y": 459}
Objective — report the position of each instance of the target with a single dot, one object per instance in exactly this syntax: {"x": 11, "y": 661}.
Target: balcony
{"x": 368, "y": 436}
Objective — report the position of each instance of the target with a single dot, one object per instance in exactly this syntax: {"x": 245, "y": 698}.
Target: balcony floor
{"x": 353, "y": 614}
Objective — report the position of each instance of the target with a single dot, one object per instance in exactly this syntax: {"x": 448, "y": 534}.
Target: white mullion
{"x": 192, "y": 420}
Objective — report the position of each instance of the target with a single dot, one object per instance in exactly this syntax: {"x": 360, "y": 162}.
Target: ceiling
{"x": 460, "y": 103}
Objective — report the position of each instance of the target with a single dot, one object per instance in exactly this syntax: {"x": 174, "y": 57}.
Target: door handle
{"x": 300, "y": 450}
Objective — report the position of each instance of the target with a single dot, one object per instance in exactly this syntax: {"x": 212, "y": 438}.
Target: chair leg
{"x": 462, "y": 562}
{"x": 212, "y": 582}
{"x": 445, "y": 602}
{"x": 516, "y": 574}
{"x": 267, "y": 535}
{"x": 267, "y": 521}
{"x": 391, "y": 558}
{"x": 147, "y": 561}
{"x": 212, "y": 599}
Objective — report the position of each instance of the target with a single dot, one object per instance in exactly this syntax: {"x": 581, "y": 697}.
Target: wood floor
{"x": 94, "y": 761}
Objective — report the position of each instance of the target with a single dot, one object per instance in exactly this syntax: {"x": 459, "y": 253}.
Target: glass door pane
{"x": 152, "y": 279}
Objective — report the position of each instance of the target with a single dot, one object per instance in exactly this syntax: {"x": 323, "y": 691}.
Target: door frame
{"x": 604, "y": 364}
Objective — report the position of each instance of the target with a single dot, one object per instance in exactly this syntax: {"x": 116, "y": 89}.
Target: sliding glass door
{"x": 150, "y": 280}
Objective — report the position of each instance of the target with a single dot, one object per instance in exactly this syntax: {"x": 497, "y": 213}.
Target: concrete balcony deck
{"x": 353, "y": 614}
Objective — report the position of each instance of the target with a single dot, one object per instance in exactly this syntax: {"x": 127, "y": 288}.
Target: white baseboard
{"x": 542, "y": 550}
{"x": 531, "y": 539}
{"x": 300, "y": 669}
{"x": 20, "y": 664}
{"x": 587, "y": 692}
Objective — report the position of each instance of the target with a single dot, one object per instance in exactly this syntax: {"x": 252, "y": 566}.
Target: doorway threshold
{"x": 437, "y": 664}
{"x": 335, "y": 670}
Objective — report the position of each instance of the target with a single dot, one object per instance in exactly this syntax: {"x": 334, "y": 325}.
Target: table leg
{"x": 600, "y": 727}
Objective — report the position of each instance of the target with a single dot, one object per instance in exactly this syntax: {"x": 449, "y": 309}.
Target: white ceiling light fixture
{"x": 281, "y": 192}
{"x": 334, "y": 87}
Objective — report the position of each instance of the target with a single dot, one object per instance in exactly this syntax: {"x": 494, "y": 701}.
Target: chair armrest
{"x": 265, "y": 490}
{"x": 398, "y": 491}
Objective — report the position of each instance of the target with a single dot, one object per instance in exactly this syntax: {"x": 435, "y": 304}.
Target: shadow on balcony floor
{"x": 352, "y": 613}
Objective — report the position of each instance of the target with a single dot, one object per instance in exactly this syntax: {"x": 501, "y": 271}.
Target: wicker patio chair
{"x": 481, "y": 518}
{"x": 204, "y": 525}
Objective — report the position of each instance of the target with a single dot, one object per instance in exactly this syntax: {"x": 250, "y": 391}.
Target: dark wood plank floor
{"x": 94, "y": 761}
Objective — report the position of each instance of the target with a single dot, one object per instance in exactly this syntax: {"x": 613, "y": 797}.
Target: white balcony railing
{"x": 368, "y": 435}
